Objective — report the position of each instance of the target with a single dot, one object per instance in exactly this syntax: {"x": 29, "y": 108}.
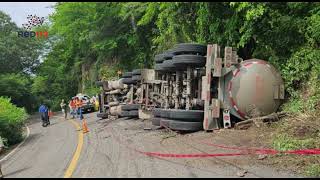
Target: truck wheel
{"x": 168, "y": 66}
{"x": 189, "y": 60}
{"x": 186, "y": 115}
{"x": 164, "y": 113}
{"x": 100, "y": 103}
{"x": 128, "y": 81}
{"x": 124, "y": 114}
{"x": 186, "y": 126}
{"x": 165, "y": 122}
{"x": 133, "y": 113}
{"x": 136, "y": 77}
{"x": 156, "y": 121}
{"x": 159, "y": 58}
{"x": 102, "y": 115}
{"x": 157, "y": 112}
{"x": 168, "y": 54}
{"x": 189, "y": 48}
{"x": 136, "y": 72}
{"x": 129, "y": 107}
{"x": 127, "y": 75}
{"x": 158, "y": 67}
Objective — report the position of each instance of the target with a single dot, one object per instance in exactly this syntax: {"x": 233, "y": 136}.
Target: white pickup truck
{"x": 87, "y": 105}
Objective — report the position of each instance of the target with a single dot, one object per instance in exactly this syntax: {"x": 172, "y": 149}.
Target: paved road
{"x": 45, "y": 153}
{"x": 105, "y": 153}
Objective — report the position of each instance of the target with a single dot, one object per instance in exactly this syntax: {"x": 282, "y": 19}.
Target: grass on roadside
{"x": 298, "y": 132}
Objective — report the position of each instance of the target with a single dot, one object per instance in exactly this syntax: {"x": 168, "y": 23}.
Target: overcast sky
{"x": 19, "y": 11}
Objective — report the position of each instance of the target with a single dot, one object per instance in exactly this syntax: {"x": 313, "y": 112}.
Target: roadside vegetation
{"x": 297, "y": 131}
{"x": 12, "y": 121}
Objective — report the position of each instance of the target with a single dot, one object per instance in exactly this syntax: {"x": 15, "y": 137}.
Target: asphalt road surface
{"x": 108, "y": 150}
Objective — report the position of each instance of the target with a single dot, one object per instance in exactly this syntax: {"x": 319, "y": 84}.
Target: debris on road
{"x": 147, "y": 128}
{"x": 258, "y": 121}
{"x": 242, "y": 173}
{"x": 262, "y": 156}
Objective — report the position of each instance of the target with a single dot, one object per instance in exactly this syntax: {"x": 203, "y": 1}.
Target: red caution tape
{"x": 267, "y": 151}
{"x": 304, "y": 151}
{"x": 190, "y": 155}
{"x": 244, "y": 151}
{"x": 204, "y": 155}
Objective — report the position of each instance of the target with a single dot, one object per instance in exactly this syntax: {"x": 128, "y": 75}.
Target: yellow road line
{"x": 76, "y": 156}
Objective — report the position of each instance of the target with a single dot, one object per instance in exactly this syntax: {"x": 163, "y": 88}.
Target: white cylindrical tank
{"x": 254, "y": 88}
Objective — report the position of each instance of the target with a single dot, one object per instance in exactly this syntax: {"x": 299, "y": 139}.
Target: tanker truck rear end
{"x": 200, "y": 89}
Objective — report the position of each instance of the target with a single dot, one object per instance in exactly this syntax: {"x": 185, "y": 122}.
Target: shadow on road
{"x": 15, "y": 172}
{"x": 31, "y": 138}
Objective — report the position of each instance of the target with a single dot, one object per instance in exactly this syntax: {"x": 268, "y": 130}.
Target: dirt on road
{"x": 130, "y": 140}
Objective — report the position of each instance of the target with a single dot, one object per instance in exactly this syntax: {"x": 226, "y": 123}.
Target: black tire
{"x": 136, "y": 72}
{"x": 129, "y": 107}
{"x": 185, "y": 126}
{"x": 157, "y": 112}
{"x": 168, "y": 66}
{"x": 159, "y": 67}
{"x": 128, "y": 81}
{"x": 99, "y": 83}
{"x": 164, "y": 113}
{"x": 133, "y": 113}
{"x": 136, "y": 77}
{"x": 189, "y": 60}
{"x": 156, "y": 121}
{"x": 102, "y": 115}
{"x": 189, "y": 48}
{"x": 127, "y": 75}
{"x": 124, "y": 114}
{"x": 165, "y": 122}
{"x": 100, "y": 103}
{"x": 159, "y": 58}
{"x": 185, "y": 115}
{"x": 168, "y": 55}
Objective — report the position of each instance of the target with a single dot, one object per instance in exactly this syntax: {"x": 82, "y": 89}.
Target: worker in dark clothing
{"x": 43, "y": 110}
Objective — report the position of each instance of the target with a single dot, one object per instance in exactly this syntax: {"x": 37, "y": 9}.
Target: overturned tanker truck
{"x": 195, "y": 87}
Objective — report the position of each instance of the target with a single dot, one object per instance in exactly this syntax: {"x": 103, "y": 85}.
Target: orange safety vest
{"x": 79, "y": 103}
{"x": 73, "y": 104}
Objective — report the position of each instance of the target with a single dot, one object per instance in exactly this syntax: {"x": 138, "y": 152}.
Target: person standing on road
{"x": 63, "y": 106}
{"x": 72, "y": 105}
{"x": 79, "y": 105}
{"x": 1, "y": 149}
{"x": 84, "y": 123}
